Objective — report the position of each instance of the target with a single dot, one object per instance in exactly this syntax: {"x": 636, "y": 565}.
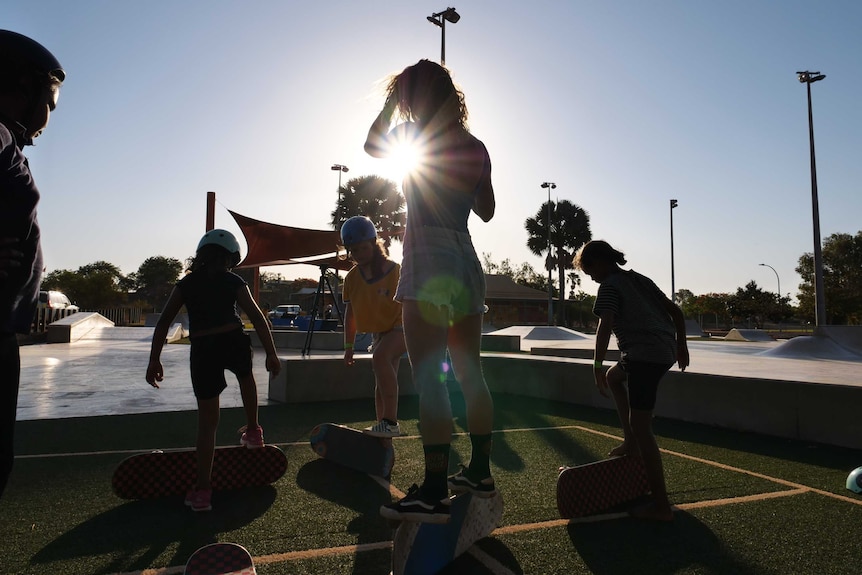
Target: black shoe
{"x": 415, "y": 507}
{"x": 479, "y": 486}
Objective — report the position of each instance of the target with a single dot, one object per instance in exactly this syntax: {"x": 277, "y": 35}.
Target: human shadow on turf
{"x": 356, "y": 491}
{"x": 133, "y": 536}
{"x": 626, "y": 546}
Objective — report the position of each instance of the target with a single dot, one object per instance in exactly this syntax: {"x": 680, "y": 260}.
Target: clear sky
{"x": 624, "y": 104}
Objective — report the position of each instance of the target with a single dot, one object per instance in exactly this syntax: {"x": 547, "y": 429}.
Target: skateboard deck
{"x": 426, "y": 548}
{"x": 352, "y": 448}
{"x": 600, "y": 486}
{"x": 220, "y": 559}
{"x": 166, "y": 473}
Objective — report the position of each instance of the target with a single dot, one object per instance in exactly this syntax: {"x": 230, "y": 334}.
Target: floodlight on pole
{"x": 809, "y": 78}
{"x": 550, "y": 186}
{"x": 439, "y": 19}
{"x": 778, "y": 279}
{"x": 340, "y": 168}
{"x": 673, "y": 204}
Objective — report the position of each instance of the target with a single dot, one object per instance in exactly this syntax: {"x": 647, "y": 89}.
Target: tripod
{"x": 322, "y": 284}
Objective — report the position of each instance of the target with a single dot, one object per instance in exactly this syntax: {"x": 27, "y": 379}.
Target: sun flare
{"x": 404, "y": 158}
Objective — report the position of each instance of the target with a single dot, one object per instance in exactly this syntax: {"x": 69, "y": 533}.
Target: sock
{"x": 435, "y": 485}
{"x": 480, "y": 464}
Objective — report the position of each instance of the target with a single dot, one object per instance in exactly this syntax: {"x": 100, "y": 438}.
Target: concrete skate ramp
{"x": 812, "y": 347}
{"x": 847, "y": 336}
{"x": 748, "y": 335}
{"x": 693, "y": 329}
{"x": 541, "y": 332}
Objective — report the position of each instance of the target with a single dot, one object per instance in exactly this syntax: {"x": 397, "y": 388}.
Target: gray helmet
{"x": 357, "y": 229}
{"x": 222, "y": 238}
{"x": 27, "y": 53}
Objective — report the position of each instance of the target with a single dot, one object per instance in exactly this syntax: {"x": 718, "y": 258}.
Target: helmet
{"x": 27, "y": 52}
{"x": 854, "y": 480}
{"x": 221, "y": 238}
{"x": 357, "y": 229}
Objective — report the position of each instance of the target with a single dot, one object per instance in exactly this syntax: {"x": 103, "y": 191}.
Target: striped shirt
{"x": 644, "y": 329}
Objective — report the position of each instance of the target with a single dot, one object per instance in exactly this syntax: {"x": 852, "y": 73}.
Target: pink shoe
{"x": 252, "y": 438}
{"x": 199, "y": 500}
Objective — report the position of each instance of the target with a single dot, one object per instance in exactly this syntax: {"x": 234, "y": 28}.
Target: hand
{"x": 682, "y": 356}
{"x": 601, "y": 377}
{"x": 155, "y": 373}
{"x": 273, "y": 365}
{"x": 348, "y": 357}
{"x": 9, "y": 256}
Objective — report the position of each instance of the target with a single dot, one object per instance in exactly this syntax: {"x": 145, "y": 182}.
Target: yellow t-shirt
{"x": 372, "y": 303}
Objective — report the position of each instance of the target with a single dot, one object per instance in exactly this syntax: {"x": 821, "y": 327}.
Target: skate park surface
{"x": 740, "y": 496}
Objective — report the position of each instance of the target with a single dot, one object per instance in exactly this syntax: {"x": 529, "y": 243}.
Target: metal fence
{"x": 121, "y": 316}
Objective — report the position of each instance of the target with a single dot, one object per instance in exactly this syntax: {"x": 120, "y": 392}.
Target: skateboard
{"x": 600, "y": 486}
{"x": 426, "y": 548}
{"x": 220, "y": 559}
{"x": 352, "y": 448}
{"x": 165, "y": 473}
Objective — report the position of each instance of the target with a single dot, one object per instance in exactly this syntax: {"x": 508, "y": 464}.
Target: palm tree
{"x": 374, "y": 197}
{"x": 570, "y": 229}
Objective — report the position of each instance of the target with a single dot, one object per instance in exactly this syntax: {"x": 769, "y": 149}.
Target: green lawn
{"x": 59, "y": 515}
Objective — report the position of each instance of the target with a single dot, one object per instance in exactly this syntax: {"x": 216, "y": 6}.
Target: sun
{"x": 404, "y": 158}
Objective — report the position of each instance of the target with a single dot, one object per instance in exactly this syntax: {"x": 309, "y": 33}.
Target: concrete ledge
{"x": 74, "y": 327}
{"x": 334, "y": 340}
{"x": 820, "y": 413}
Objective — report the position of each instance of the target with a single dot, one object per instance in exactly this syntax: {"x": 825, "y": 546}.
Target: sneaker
{"x": 480, "y": 487}
{"x": 415, "y": 507}
{"x": 383, "y": 429}
{"x": 199, "y": 500}
{"x": 252, "y": 438}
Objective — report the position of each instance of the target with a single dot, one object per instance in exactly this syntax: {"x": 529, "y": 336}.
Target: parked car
{"x": 285, "y": 311}
{"x": 56, "y": 300}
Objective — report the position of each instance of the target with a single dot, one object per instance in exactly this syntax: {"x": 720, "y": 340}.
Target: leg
{"x": 208, "y": 417}
{"x": 465, "y": 338}
{"x": 10, "y": 374}
{"x": 385, "y": 361}
{"x": 248, "y": 392}
{"x": 659, "y": 508}
{"x": 616, "y": 378}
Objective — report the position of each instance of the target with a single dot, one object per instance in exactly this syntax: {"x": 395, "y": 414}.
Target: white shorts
{"x": 440, "y": 267}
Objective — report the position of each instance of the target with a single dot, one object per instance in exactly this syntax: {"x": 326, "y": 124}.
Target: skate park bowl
{"x": 744, "y": 390}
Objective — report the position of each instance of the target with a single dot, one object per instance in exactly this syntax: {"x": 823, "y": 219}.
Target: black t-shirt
{"x": 210, "y": 299}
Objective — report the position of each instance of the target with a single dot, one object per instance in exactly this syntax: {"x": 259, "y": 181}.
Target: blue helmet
{"x": 357, "y": 229}
{"x": 854, "y": 480}
{"x": 222, "y": 238}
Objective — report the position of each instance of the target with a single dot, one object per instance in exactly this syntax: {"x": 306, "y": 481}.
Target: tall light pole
{"x": 440, "y": 19}
{"x": 673, "y": 204}
{"x": 808, "y": 78}
{"x": 778, "y": 279}
{"x": 339, "y": 168}
{"x": 550, "y": 186}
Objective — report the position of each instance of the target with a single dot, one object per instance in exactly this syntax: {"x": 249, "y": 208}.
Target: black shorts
{"x": 212, "y": 354}
{"x": 642, "y": 378}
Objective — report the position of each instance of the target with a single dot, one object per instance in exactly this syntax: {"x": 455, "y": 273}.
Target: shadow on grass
{"x": 628, "y": 546}
{"x": 355, "y": 491}
{"x": 132, "y": 536}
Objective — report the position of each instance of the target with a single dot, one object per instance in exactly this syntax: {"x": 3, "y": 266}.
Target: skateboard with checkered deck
{"x": 166, "y": 473}
{"x": 351, "y": 448}
{"x": 220, "y": 559}
{"x": 601, "y": 486}
{"x": 426, "y": 548}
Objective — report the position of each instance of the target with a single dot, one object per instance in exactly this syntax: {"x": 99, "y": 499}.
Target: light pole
{"x": 550, "y": 186}
{"x": 673, "y": 204}
{"x": 440, "y": 19}
{"x": 808, "y": 78}
{"x": 339, "y": 168}
{"x": 778, "y": 279}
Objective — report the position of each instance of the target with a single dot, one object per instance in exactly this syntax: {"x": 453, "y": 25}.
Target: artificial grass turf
{"x": 59, "y": 515}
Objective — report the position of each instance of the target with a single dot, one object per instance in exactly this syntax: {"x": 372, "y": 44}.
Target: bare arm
{"x": 261, "y": 327}
{"x": 155, "y": 372}
{"x": 603, "y": 338}
{"x": 678, "y": 317}
{"x": 376, "y": 144}
{"x": 485, "y": 204}
{"x": 349, "y": 333}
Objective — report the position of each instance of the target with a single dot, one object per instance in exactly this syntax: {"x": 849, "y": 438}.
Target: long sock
{"x": 480, "y": 464}
{"x": 436, "y": 469}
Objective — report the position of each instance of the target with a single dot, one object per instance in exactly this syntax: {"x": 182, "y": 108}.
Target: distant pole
{"x": 210, "y": 211}
{"x": 550, "y": 186}
{"x": 778, "y": 279}
{"x": 673, "y": 204}
{"x": 808, "y": 78}
{"x": 340, "y": 168}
